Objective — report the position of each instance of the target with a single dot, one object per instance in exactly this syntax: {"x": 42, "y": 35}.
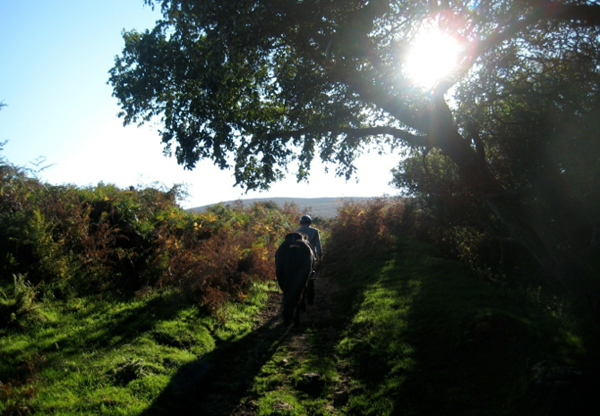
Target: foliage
{"x": 16, "y": 396}
{"x": 415, "y": 323}
{"x": 117, "y": 289}
{"x": 101, "y": 240}
{"x": 449, "y": 215}
{"x": 241, "y": 245}
{"x": 19, "y": 306}
{"x": 257, "y": 84}
{"x": 531, "y": 116}
{"x": 436, "y": 338}
{"x": 446, "y": 214}
{"x": 363, "y": 230}
{"x": 265, "y": 81}
{"x": 409, "y": 333}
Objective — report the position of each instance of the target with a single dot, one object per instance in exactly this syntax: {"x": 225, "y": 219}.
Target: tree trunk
{"x": 527, "y": 227}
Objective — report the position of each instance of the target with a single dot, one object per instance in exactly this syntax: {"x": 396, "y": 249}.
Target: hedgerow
{"x": 364, "y": 229}
{"x": 101, "y": 240}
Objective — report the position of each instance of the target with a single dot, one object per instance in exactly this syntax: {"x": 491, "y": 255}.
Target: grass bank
{"x": 401, "y": 333}
{"x": 411, "y": 333}
{"x": 426, "y": 335}
{"x": 88, "y": 356}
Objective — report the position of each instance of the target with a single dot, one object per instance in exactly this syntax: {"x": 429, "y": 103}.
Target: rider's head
{"x": 306, "y": 219}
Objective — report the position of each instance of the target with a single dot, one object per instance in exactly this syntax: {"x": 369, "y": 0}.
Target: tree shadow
{"x": 448, "y": 343}
{"x": 477, "y": 347}
{"x": 216, "y": 383}
{"x": 123, "y": 328}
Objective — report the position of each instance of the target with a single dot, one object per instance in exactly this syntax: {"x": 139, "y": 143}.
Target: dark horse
{"x": 293, "y": 267}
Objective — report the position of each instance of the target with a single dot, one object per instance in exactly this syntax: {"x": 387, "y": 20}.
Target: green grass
{"x": 422, "y": 335}
{"x": 428, "y": 336}
{"x": 412, "y": 334}
{"x": 112, "y": 357}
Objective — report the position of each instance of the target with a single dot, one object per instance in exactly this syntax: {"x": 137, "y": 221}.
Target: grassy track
{"x": 407, "y": 333}
{"x": 413, "y": 334}
{"x": 428, "y": 337}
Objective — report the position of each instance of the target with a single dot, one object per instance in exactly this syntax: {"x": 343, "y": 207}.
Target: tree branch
{"x": 479, "y": 145}
{"x": 587, "y": 15}
{"x": 408, "y": 138}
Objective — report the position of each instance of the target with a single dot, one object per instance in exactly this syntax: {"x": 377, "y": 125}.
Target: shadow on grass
{"x": 429, "y": 337}
{"x": 127, "y": 325}
{"x": 216, "y": 383}
{"x": 106, "y": 329}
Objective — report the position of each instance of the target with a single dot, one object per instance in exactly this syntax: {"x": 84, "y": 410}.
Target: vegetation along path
{"x": 404, "y": 333}
{"x": 119, "y": 302}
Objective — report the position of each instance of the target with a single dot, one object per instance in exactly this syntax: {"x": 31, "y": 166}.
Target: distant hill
{"x": 318, "y": 207}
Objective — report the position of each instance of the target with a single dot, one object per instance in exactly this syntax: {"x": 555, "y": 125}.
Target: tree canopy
{"x": 257, "y": 84}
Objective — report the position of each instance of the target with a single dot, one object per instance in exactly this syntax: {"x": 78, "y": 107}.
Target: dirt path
{"x": 231, "y": 390}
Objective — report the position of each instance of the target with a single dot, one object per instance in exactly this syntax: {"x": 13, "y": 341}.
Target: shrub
{"x": 17, "y": 394}
{"x": 362, "y": 229}
{"x": 100, "y": 240}
{"x": 18, "y": 306}
{"x": 217, "y": 256}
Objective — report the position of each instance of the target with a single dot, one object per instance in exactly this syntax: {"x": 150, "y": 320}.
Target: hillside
{"x": 318, "y": 207}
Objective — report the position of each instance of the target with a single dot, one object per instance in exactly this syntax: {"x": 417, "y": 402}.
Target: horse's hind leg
{"x": 310, "y": 291}
{"x": 302, "y": 303}
{"x": 287, "y": 315}
{"x": 297, "y": 317}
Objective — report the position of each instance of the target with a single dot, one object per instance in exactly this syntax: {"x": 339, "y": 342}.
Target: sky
{"x": 54, "y": 61}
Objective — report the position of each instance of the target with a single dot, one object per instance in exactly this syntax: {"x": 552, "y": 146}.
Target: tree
{"x": 255, "y": 84}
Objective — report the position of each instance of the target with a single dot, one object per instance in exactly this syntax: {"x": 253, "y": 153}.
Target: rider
{"x": 315, "y": 241}
{"x": 312, "y": 234}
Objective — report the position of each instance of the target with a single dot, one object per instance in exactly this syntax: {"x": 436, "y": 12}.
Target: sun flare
{"x": 432, "y": 56}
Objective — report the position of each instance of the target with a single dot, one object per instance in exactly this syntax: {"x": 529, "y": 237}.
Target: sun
{"x": 432, "y": 55}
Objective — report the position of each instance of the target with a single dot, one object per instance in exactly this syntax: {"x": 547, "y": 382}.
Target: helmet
{"x": 306, "y": 219}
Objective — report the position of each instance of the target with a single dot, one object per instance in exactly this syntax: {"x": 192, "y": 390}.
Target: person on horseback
{"x": 312, "y": 234}
{"x": 315, "y": 241}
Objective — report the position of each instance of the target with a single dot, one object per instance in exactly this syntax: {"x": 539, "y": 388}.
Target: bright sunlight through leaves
{"x": 432, "y": 55}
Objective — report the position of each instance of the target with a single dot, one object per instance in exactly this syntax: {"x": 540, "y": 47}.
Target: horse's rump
{"x": 294, "y": 257}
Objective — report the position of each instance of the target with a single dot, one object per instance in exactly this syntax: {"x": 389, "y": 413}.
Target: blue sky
{"x": 54, "y": 61}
